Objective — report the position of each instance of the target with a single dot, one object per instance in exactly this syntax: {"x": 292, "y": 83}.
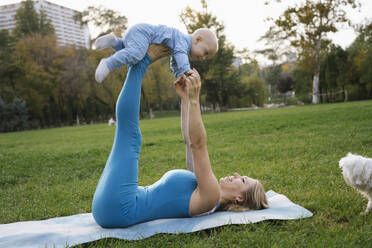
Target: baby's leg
{"x": 108, "y": 40}
{"x": 129, "y": 55}
{"x": 126, "y": 56}
{"x": 133, "y": 52}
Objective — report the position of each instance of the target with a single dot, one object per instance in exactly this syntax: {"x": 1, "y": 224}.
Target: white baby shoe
{"x": 107, "y": 40}
{"x": 102, "y": 71}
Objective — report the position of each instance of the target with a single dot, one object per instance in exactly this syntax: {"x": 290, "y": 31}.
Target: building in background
{"x": 68, "y": 31}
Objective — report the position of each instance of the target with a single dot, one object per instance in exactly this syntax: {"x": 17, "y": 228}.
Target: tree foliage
{"x": 333, "y": 75}
{"x": 255, "y": 91}
{"x": 158, "y": 86}
{"x": 306, "y": 25}
{"x": 359, "y": 73}
{"x": 105, "y": 20}
{"x": 220, "y": 78}
{"x": 285, "y": 83}
{"x": 13, "y": 116}
{"x": 29, "y": 22}
{"x": 7, "y": 45}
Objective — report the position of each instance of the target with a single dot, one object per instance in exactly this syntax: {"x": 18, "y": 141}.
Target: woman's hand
{"x": 180, "y": 85}
{"x": 193, "y": 85}
{"x": 157, "y": 51}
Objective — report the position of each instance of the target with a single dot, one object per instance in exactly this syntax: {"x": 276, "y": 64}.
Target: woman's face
{"x": 235, "y": 185}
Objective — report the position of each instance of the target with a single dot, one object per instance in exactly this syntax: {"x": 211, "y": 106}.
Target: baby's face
{"x": 202, "y": 49}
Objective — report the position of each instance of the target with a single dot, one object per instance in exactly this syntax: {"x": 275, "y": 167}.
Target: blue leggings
{"x": 118, "y": 200}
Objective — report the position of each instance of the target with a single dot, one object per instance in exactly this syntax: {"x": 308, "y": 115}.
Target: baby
{"x": 131, "y": 49}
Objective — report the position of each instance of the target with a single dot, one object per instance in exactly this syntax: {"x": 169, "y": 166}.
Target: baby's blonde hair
{"x": 254, "y": 199}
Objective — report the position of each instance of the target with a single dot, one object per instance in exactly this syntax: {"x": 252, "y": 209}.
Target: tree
{"x": 285, "y": 83}
{"x": 302, "y": 83}
{"x": 333, "y": 74}
{"x": 76, "y": 80}
{"x": 271, "y": 76}
{"x": 255, "y": 91}
{"x": 366, "y": 64}
{"x": 29, "y": 22}
{"x": 13, "y": 116}
{"x": 7, "y": 45}
{"x": 104, "y": 20}
{"x": 359, "y": 74}
{"x": 35, "y": 76}
{"x": 45, "y": 25}
{"x": 277, "y": 47}
{"x": 307, "y": 25}
{"x": 220, "y": 78}
{"x": 158, "y": 85}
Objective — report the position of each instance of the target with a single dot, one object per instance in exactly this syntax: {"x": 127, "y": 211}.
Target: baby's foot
{"x": 102, "y": 71}
{"x": 108, "y": 40}
{"x": 157, "y": 51}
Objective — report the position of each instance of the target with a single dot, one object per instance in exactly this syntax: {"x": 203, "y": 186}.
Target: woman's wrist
{"x": 184, "y": 99}
{"x": 194, "y": 101}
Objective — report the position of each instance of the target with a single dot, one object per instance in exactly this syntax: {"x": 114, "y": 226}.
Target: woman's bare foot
{"x": 156, "y": 52}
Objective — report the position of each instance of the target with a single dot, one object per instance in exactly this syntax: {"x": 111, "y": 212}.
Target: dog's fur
{"x": 357, "y": 171}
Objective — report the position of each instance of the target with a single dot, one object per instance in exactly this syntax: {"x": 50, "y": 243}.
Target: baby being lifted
{"x": 131, "y": 49}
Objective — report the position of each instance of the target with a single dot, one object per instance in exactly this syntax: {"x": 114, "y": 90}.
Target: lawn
{"x": 293, "y": 151}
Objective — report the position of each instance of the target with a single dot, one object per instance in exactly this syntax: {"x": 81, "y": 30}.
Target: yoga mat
{"x": 81, "y": 228}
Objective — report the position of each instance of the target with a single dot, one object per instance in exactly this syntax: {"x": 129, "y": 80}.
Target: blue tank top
{"x": 169, "y": 197}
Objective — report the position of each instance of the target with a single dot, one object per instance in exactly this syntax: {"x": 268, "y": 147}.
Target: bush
{"x": 291, "y": 101}
{"x": 13, "y": 116}
{"x": 305, "y": 98}
{"x": 256, "y": 90}
{"x": 355, "y": 92}
{"x": 285, "y": 84}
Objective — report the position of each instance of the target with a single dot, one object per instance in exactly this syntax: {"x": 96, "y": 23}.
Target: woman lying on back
{"x": 120, "y": 202}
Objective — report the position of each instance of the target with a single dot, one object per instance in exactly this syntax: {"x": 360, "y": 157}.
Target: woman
{"x": 120, "y": 202}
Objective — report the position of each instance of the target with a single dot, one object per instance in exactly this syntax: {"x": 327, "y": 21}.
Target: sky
{"x": 244, "y": 20}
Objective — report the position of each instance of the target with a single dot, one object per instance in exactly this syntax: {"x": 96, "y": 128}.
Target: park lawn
{"x": 293, "y": 151}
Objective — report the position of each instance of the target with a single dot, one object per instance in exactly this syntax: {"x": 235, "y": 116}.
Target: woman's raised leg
{"x": 114, "y": 200}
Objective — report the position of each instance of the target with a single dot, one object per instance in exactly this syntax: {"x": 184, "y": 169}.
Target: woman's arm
{"x": 185, "y": 132}
{"x": 207, "y": 194}
{"x": 180, "y": 85}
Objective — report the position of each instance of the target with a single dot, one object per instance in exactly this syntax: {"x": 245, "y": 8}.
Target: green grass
{"x": 293, "y": 151}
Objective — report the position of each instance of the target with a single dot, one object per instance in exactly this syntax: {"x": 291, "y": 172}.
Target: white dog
{"x": 357, "y": 171}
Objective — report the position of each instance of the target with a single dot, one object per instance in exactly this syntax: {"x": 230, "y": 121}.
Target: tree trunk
{"x": 345, "y": 94}
{"x": 269, "y": 98}
{"x": 317, "y": 67}
{"x": 316, "y": 88}
{"x": 151, "y": 114}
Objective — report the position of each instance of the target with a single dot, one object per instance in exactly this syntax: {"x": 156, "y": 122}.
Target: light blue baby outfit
{"x": 132, "y": 48}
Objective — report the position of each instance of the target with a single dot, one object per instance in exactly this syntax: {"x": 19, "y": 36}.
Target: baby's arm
{"x": 180, "y": 64}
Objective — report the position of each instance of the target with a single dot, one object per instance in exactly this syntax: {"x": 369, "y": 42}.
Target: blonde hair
{"x": 255, "y": 199}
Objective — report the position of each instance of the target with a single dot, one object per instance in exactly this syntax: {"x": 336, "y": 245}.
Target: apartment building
{"x": 68, "y": 31}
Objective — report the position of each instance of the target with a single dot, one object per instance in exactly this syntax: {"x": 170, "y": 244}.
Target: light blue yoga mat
{"x": 81, "y": 228}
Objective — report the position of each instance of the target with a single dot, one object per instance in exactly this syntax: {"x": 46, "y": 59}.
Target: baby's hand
{"x": 193, "y": 85}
